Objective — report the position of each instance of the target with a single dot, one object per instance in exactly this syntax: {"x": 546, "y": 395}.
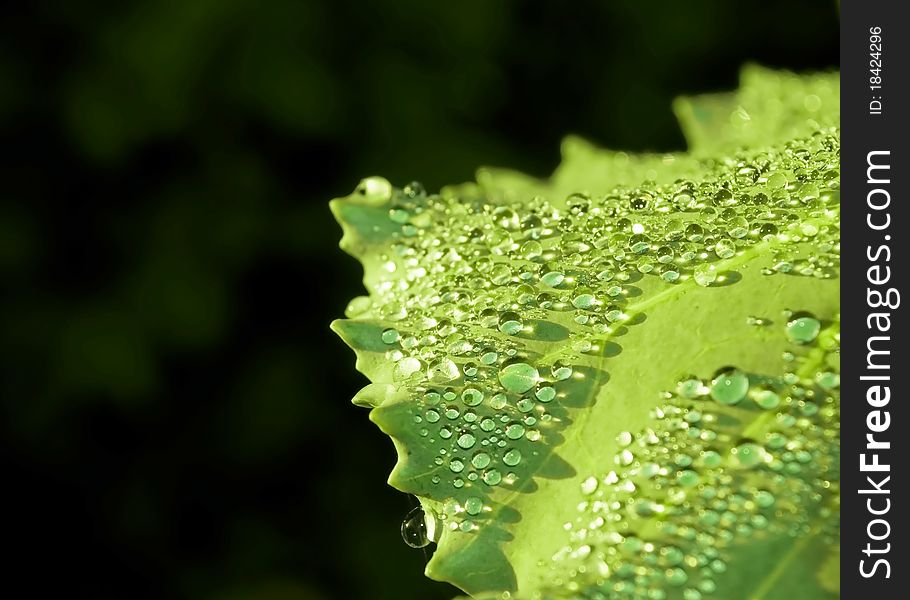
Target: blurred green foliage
{"x": 175, "y": 412}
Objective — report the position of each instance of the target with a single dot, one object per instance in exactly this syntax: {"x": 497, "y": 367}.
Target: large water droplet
{"x": 481, "y": 460}
{"x": 376, "y": 190}
{"x": 705, "y": 275}
{"x": 472, "y": 396}
{"x": 473, "y": 505}
{"x": 589, "y": 486}
{"x": 418, "y": 529}
{"x": 512, "y": 457}
{"x": 407, "y": 366}
{"x": 467, "y": 440}
{"x": 803, "y": 329}
{"x": 553, "y": 278}
{"x": 518, "y": 377}
{"x": 730, "y": 386}
{"x": 443, "y": 370}
{"x": 748, "y": 454}
{"x": 492, "y": 477}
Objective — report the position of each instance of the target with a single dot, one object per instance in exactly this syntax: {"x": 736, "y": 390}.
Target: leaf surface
{"x": 620, "y": 382}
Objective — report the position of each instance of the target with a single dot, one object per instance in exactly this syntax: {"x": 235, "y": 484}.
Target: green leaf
{"x": 621, "y": 382}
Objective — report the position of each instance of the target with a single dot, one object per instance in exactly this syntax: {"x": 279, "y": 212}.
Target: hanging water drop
{"x": 418, "y": 529}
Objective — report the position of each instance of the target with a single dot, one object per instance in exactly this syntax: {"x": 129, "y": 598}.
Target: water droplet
{"x": 561, "y": 371}
{"x": 691, "y": 594}
{"x": 688, "y": 478}
{"x": 481, "y": 460}
{"x": 803, "y": 329}
{"x": 724, "y": 248}
{"x": 407, "y": 366}
{"x": 417, "y": 530}
{"x": 764, "y": 499}
{"x": 669, "y": 273}
{"x": 492, "y": 477}
{"x": 584, "y": 301}
{"x": 748, "y": 454}
{"x": 518, "y": 377}
{"x": 390, "y": 336}
{"x": 473, "y": 505}
{"x": 828, "y": 380}
{"x": 676, "y": 577}
{"x": 589, "y": 486}
{"x": 531, "y": 249}
{"x": 376, "y": 190}
{"x": 705, "y": 275}
{"x": 515, "y": 431}
{"x": 472, "y": 396}
{"x": 730, "y": 386}
{"x": 553, "y": 278}
{"x": 501, "y": 274}
{"x": 691, "y": 387}
{"x": 767, "y": 399}
{"x": 510, "y": 323}
{"x": 711, "y": 459}
{"x": 443, "y": 371}
{"x": 512, "y": 457}
{"x": 489, "y": 358}
{"x": 545, "y": 394}
{"x": 466, "y": 440}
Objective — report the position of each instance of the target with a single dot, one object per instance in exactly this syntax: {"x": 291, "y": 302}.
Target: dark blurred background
{"x": 175, "y": 414}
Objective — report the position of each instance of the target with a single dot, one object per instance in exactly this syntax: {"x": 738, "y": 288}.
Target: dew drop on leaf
{"x": 492, "y": 477}
{"x": 473, "y": 505}
{"x": 705, "y": 275}
{"x": 481, "y": 460}
{"x": 518, "y": 377}
{"x": 748, "y": 454}
{"x": 467, "y": 440}
{"x": 767, "y": 399}
{"x": 803, "y": 329}
{"x": 514, "y": 431}
{"x": 730, "y": 386}
{"x": 512, "y": 457}
{"x": 472, "y": 396}
{"x": 443, "y": 371}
